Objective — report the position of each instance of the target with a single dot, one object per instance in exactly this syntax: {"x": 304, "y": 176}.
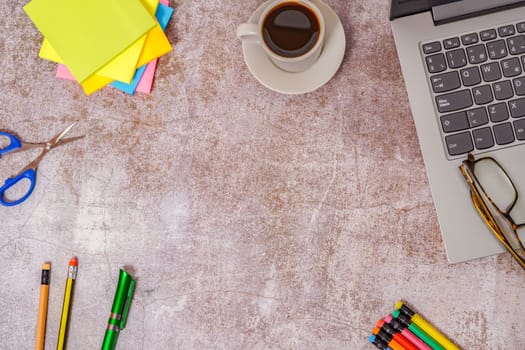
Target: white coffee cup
{"x": 284, "y": 57}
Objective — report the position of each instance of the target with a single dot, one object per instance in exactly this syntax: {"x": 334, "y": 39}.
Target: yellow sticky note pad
{"x": 94, "y": 83}
{"x": 87, "y": 34}
{"x": 151, "y": 6}
{"x": 91, "y": 84}
{"x": 48, "y": 53}
{"x": 121, "y": 68}
{"x": 157, "y": 44}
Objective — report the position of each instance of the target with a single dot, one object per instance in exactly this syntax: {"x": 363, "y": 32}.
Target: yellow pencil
{"x": 42, "y": 308}
{"x": 427, "y": 327}
{"x": 71, "y": 276}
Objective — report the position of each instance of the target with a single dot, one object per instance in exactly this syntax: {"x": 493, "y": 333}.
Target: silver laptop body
{"x": 418, "y": 23}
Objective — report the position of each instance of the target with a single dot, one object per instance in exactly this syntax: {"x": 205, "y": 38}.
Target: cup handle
{"x": 248, "y": 32}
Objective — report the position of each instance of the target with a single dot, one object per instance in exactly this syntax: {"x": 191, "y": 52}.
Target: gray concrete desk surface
{"x": 252, "y": 219}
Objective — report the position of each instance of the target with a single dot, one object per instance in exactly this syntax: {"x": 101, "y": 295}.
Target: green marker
{"x": 417, "y": 331}
{"x": 119, "y": 310}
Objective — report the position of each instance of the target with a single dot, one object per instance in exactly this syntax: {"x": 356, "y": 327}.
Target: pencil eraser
{"x": 46, "y": 266}
{"x": 380, "y": 323}
{"x": 399, "y": 304}
{"x": 388, "y": 318}
{"x": 371, "y": 338}
{"x": 73, "y": 262}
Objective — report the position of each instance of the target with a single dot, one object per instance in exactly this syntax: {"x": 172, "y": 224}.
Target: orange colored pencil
{"x": 42, "y": 308}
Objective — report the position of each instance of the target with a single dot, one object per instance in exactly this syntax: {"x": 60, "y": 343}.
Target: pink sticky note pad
{"x": 64, "y": 73}
{"x": 146, "y": 82}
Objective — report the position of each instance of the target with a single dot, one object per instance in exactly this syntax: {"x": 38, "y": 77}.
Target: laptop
{"x": 463, "y": 63}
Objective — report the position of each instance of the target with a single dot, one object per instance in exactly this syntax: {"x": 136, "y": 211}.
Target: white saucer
{"x": 314, "y": 77}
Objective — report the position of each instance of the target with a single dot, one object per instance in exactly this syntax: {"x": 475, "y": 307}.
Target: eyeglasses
{"x": 494, "y": 196}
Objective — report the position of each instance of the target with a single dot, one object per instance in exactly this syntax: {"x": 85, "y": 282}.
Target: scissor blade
{"x": 56, "y": 140}
{"x": 68, "y": 140}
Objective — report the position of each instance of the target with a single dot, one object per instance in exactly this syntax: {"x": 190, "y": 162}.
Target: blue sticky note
{"x": 163, "y": 15}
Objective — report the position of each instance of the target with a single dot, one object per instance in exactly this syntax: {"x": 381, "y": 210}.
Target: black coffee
{"x": 291, "y": 29}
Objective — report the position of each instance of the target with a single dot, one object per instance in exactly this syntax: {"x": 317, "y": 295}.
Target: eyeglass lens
{"x": 498, "y": 187}
{"x": 495, "y": 183}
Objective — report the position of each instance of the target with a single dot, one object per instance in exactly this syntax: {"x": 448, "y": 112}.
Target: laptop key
{"x": 503, "y": 133}
{"x": 477, "y": 117}
{"x": 482, "y": 94}
{"x": 459, "y": 143}
{"x": 517, "y": 107}
{"x": 503, "y": 90}
{"x": 483, "y": 138}
{"x": 469, "y": 39}
{"x": 511, "y": 67}
{"x": 478, "y": 83}
{"x": 436, "y": 63}
{"x": 497, "y": 49}
{"x": 488, "y": 34}
{"x": 519, "y": 86}
{"x": 498, "y": 112}
{"x": 432, "y": 47}
{"x": 491, "y": 71}
{"x": 519, "y": 129}
{"x": 477, "y": 54}
{"x": 454, "y": 122}
{"x": 470, "y": 76}
{"x": 454, "y": 101}
{"x": 445, "y": 82}
{"x": 516, "y": 44}
{"x": 451, "y": 43}
{"x": 456, "y": 58}
{"x": 506, "y": 30}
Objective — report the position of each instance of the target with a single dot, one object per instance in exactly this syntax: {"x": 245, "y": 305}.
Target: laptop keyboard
{"x": 478, "y": 83}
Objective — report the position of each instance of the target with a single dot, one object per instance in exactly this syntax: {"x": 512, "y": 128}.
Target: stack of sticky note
{"x": 103, "y": 42}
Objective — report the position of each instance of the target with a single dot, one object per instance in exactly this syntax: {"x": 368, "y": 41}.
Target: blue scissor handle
{"x": 10, "y": 182}
{"x": 14, "y": 143}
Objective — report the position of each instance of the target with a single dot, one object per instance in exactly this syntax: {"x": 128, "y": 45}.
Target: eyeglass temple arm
{"x": 491, "y": 223}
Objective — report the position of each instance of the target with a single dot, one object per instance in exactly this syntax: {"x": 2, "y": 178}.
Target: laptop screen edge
{"x": 449, "y": 10}
{"x": 401, "y": 8}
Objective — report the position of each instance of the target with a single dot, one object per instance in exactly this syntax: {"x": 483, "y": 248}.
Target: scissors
{"x": 29, "y": 171}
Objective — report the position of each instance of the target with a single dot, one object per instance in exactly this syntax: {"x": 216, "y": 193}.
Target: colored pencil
{"x": 414, "y": 339}
{"x": 427, "y": 327}
{"x": 405, "y": 320}
{"x": 66, "y": 306}
{"x": 42, "y": 308}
